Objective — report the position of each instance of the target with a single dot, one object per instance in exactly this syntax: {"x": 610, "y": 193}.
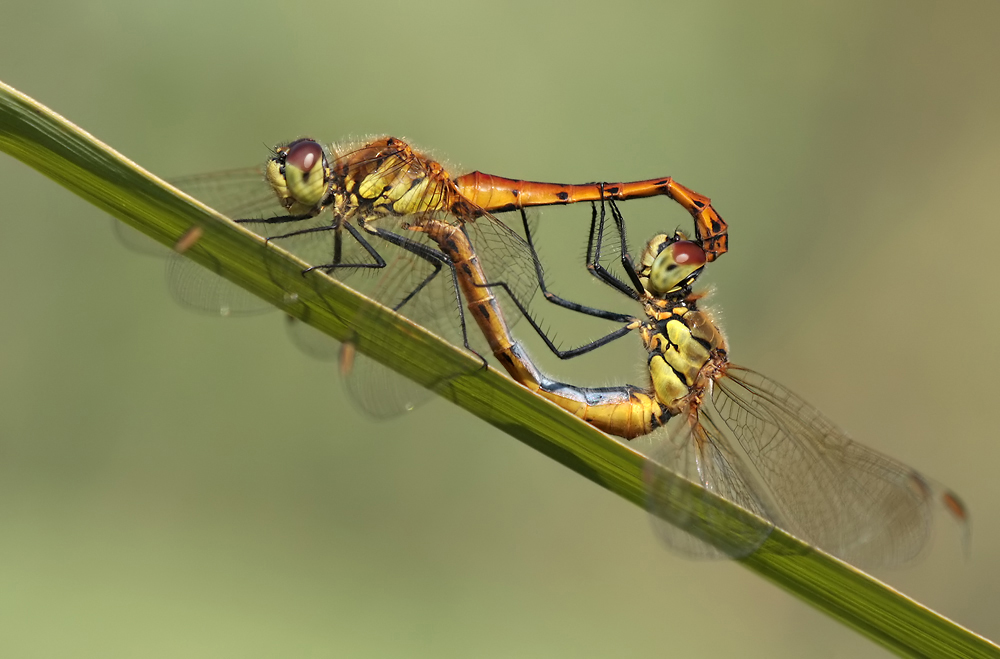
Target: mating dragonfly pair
{"x": 381, "y": 207}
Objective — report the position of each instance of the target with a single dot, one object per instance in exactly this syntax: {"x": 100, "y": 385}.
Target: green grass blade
{"x": 74, "y": 159}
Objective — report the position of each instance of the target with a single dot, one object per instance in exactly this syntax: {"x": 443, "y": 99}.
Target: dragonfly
{"x": 349, "y": 210}
{"x": 731, "y": 430}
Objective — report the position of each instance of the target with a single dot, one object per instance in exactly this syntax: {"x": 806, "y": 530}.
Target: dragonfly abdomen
{"x": 498, "y": 194}
{"x": 627, "y": 411}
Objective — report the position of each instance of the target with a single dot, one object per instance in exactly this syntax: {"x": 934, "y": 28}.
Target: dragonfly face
{"x": 300, "y": 176}
{"x": 670, "y": 264}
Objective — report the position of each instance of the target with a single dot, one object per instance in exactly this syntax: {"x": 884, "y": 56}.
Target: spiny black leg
{"x": 419, "y": 287}
{"x": 337, "y": 248}
{"x": 372, "y": 252}
{"x": 556, "y": 299}
{"x": 379, "y": 262}
{"x": 302, "y": 232}
{"x": 627, "y": 262}
{"x": 632, "y": 324}
{"x": 590, "y": 236}
{"x": 432, "y": 256}
{"x": 594, "y": 265}
{"x": 280, "y": 219}
{"x": 436, "y": 259}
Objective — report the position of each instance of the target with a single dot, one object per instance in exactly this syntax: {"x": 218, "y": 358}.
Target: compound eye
{"x": 675, "y": 265}
{"x": 304, "y": 155}
{"x": 686, "y": 252}
{"x": 305, "y": 174}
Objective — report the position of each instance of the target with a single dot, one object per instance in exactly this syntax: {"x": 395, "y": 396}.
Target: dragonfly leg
{"x": 437, "y": 259}
{"x": 280, "y": 219}
{"x": 595, "y": 244}
{"x": 379, "y": 262}
{"x": 561, "y": 301}
{"x": 630, "y": 322}
{"x": 434, "y": 257}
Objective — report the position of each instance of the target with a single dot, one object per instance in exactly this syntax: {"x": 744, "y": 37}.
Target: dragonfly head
{"x": 670, "y": 264}
{"x": 299, "y": 173}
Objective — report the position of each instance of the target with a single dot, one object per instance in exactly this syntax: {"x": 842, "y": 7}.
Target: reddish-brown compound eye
{"x": 304, "y": 155}
{"x": 688, "y": 253}
{"x": 675, "y": 266}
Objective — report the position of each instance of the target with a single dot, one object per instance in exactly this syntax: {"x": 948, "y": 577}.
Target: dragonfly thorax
{"x": 685, "y": 350}
{"x": 388, "y": 177}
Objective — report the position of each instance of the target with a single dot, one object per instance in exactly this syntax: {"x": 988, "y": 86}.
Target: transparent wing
{"x": 191, "y": 285}
{"x": 378, "y": 390}
{"x": 424, "y": 290}
{"x": 505, "y": 257}
{"x": 849, "y": 500}
{"x": 759, "y": 445}
{"x": 136, "y": 241}
{"x": 244, "y": 194}
{"x": 700, "y": 453}
{"x": 238, "y": 194}
{"x": 197, "y": 288}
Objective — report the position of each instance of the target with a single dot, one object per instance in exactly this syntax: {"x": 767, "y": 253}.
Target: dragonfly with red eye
{"x": 353, "y": 209}
{"x": 729, "y": 429}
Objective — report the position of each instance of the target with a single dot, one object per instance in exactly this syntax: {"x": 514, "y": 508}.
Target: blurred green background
{"x": 173, "y": 485}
